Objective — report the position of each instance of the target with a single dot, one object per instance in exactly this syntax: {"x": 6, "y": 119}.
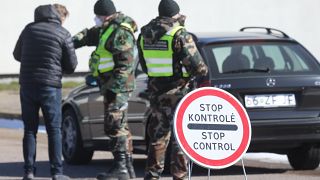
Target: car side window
{"x": 253, "y": 57}
{"x": 273, "y": 52}
{"x": 297, "y": 62}
{"x": 220, "y": 54}
{"x": 247, "y": 52}
{"x": 227, "y": 56}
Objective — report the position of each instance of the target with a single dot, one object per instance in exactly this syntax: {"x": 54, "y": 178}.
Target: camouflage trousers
{"x": 160, "y": 132}
{"x": 116, "y": 123}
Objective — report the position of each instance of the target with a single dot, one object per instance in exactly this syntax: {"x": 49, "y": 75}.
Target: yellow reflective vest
{"x": 159, "y": 56}
{"x": 102, "y": 60}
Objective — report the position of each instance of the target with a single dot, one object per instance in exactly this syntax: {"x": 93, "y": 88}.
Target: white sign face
{"x": 212, "y": 127}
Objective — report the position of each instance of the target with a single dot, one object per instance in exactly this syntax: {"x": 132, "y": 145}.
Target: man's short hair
{"x": 62, "y": 10}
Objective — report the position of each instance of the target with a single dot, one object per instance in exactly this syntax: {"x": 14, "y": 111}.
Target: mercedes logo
{"x": 271, "y": 82}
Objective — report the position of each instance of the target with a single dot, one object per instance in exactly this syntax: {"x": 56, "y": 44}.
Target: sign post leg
{"x": 244, "y": 170}
{"x": 209, "y": 174}
{"x": 190, "y": 164}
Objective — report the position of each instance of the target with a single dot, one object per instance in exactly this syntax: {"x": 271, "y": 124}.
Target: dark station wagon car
{"x": 275, "y": 78}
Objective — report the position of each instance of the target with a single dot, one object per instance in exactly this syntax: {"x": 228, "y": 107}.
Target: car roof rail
{"x": 269, "y": 30}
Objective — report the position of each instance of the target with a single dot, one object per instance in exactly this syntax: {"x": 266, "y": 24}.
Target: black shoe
{"x": 60, "y": 177}
{"x": 28, "y": 176}
{"x": 118, "y": 169}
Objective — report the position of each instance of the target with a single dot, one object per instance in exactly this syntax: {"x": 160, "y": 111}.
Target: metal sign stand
{"x": 190, "y": 165}
{"x": 244, "y": 170}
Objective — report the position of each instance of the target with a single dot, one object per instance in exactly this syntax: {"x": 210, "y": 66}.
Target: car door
{"x": 96, "y": 113}
{"x": 138, "y": 109}
{"x": 80, "y": 99}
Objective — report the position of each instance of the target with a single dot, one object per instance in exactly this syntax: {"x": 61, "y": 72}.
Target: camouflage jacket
{"x": 185, "y": 53}
{"x": 121, "y": 44}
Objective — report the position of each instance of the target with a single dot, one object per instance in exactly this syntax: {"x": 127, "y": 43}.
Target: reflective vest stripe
{"x": 107, "y": 66}
{"x": 105, "y": 60}
{"x": 160, "y": 69}
{"x": 106, "y": 63}
{"x": 158, "y": 57}
{"x": 159, "y": 61}
{"x": 163, "y": 66}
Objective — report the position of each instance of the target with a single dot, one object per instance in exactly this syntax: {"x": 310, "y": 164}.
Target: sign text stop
{"x": 212, "y": 127}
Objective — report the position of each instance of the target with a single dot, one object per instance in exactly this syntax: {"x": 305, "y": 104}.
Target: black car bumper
{"x": 283, "y": 134}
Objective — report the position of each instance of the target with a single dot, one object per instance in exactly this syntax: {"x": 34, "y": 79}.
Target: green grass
{"x": 14, "y": 85}
{"x": 71, "y": 84}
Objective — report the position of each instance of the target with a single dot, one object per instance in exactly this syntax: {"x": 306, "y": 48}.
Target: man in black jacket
{"x": 45, "y": 51}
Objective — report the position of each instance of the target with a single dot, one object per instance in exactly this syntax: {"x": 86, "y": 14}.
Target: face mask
{"x": 98, "y": 21}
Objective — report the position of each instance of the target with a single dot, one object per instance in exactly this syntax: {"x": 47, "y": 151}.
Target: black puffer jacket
{"x": 45, "y": 49}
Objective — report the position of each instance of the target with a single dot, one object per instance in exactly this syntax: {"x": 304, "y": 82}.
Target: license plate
{"x": 270, "y": 100}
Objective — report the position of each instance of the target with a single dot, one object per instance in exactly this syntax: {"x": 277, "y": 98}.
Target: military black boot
{"x": 118, "y": 169}
{"x": 129, "y": 165}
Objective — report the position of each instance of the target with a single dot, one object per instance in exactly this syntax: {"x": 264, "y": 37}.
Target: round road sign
{"x": 212, "y": 127}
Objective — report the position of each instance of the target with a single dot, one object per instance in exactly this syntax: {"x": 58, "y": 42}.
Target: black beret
{"x": 104, "y": 8}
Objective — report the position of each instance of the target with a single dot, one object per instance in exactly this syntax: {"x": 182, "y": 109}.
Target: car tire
{"x": 304, "y": 158}
{"x": 72, "y": 147}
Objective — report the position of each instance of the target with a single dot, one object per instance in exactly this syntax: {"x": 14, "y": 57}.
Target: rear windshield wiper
{"x": 266, "y": 70}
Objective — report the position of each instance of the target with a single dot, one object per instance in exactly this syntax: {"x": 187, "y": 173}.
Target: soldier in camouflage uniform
{"x": 112, "y": 64}
{"x": 170, "y": 57}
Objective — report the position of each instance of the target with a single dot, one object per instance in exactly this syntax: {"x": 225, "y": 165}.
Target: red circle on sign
{"x": 210, "y": 91}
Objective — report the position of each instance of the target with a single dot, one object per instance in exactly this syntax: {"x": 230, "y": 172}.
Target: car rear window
{"x": 259, "y": 57}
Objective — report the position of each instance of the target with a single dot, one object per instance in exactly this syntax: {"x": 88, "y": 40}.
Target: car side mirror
{"x": 91, "y": 81}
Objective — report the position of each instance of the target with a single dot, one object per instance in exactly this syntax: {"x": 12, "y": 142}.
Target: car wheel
{"x": 304, "y": 158}
{"x": 72, "y": 148}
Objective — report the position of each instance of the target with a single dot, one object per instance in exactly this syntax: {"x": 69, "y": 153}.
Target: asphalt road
{"x": 11, "y": 164}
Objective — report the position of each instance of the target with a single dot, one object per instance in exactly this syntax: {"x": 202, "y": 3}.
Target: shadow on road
{"x": 90, "y": 170}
